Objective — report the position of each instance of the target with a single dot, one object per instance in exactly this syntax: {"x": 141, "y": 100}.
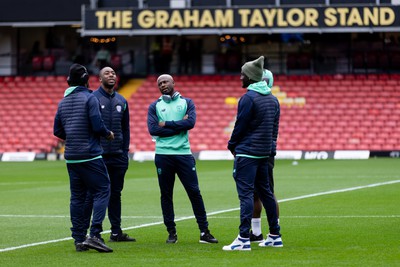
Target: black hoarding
{"x": 242, "y": 20}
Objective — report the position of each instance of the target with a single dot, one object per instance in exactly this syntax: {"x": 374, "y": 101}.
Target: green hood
{"x": 268, "y": 75}
{"x": 69, "y": 90}
{"x": 260, "y": 87}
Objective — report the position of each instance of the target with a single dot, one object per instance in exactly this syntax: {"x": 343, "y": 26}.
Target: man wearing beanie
{"x": 252, "y": 143}
{"x": 256, "y": 230}
{"x": 78, "y": 121}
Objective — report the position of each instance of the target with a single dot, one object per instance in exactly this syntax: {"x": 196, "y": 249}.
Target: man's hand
{"x": 185, "y": 117}
{"x": 110, "y": 136}
{"x": 271, "y": 162}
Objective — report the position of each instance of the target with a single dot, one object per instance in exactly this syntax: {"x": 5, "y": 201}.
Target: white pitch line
{"x": 317, "y": 217}
{"x": 340, "y": 191}
{"x": 212, "y": 213}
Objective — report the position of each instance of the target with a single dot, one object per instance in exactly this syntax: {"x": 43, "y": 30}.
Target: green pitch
{"x": 333, "y": 213}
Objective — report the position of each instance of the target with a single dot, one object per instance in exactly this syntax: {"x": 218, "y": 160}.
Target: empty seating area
{"x": 341, "y": 112}
{"x": 326, "y": 112}
{"x": 27, "y": 109}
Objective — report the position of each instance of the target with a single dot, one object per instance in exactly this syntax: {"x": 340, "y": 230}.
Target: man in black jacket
{"x": 251, "y": 143}
{"x": 78, "y": 121}
{"x": 115, "y": 113}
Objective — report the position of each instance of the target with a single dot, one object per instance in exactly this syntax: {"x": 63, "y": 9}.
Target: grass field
{"x": 333, "y": 213}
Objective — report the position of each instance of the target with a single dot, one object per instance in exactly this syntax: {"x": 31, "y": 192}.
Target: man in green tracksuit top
{"x": 169, "y": 120}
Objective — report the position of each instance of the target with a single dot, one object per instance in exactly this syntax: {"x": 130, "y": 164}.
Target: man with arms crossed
{"x": 169, "y": 120}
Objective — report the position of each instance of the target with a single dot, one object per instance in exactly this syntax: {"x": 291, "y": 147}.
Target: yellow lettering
{"x": 162, "y": 17}
{"x": 256, "y": 19}
{"x": 270, "y": 16}
{"x": 387, "y": 16}
{"x": 311, "y": 17}
{"x": 281, "y": 22}
{"x": 206, "y": 19}
{"x": 342, "y": 15}
{"x": 113, "y": 21}
{"x": 224, "y": 18}
{"x": 330, "y": 17}
{"x": 244, "y": 14}
{"x": 291, "y": 17}
{"x": 370, "y": 17}
{"x": 176, "y": 19}
{"x": 127, "y": 19}
{"x": 101, "y": 18}
{"x": 354, "y": 18}
{"x": 191, "y": 18}
{"x": 146, "y": 19}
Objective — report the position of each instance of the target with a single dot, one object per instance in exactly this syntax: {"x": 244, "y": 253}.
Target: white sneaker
{"x": 239, "y": 243}
{"x": 272, "y": 241}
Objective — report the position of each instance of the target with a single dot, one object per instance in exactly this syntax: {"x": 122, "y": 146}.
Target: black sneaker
{"x": 256, "y": 238}
{"x": 122, "y": 237}
{"x": 80, "y": 247}
{"x": 172, "y": 238}
{"x": 207, "y": 237}
{"x": 97, "y": 244}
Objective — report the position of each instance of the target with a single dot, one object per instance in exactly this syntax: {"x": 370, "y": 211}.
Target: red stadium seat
{"x": 37, "y": 63}
{"x": 48, "y": 63}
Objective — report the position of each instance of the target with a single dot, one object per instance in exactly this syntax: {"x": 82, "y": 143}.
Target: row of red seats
{"x": 27, "y": 115}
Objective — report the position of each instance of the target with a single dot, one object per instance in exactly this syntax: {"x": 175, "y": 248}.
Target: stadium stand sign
{"x": 132, "y": 21}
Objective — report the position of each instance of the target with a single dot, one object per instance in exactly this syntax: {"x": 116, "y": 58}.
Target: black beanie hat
{"x": 78, "y": 75}
{"x": 254, "y": 69}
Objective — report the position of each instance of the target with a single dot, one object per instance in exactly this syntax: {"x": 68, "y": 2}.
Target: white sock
{"x": 256, "y": 226}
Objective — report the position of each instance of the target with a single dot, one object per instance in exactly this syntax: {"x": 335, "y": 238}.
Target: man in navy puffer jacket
{"x": 252, "y": 143}
{"x": 115, "y": 114}
{"x": 78, "y": 121}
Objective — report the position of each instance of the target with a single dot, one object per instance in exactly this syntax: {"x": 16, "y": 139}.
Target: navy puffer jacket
{"x": 78, "y": 121}
{"x": 115, "y": 114}
{"x": 256, "y": 128}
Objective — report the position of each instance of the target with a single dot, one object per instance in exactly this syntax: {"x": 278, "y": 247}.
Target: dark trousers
{"x": 185, "y": 167}
{"x": 88, "y": 177}
{"x": 117, "y": 177}
{"x": 117, "y": 166}
{"x": 252, "y": 175}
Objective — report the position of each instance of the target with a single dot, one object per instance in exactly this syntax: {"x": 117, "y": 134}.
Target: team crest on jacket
{"x": 119, "y": 108}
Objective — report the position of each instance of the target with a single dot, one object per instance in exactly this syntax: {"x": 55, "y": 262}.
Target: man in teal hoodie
{"x": 169, "y": 120}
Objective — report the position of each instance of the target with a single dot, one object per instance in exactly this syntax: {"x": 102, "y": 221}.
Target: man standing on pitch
{"x": 256, "y": 231}
{"x": 169, "y": 120}
{"x": 251, "y": 143}
{"x": 115, "y": 113}
{"x": 78, "y": 121}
